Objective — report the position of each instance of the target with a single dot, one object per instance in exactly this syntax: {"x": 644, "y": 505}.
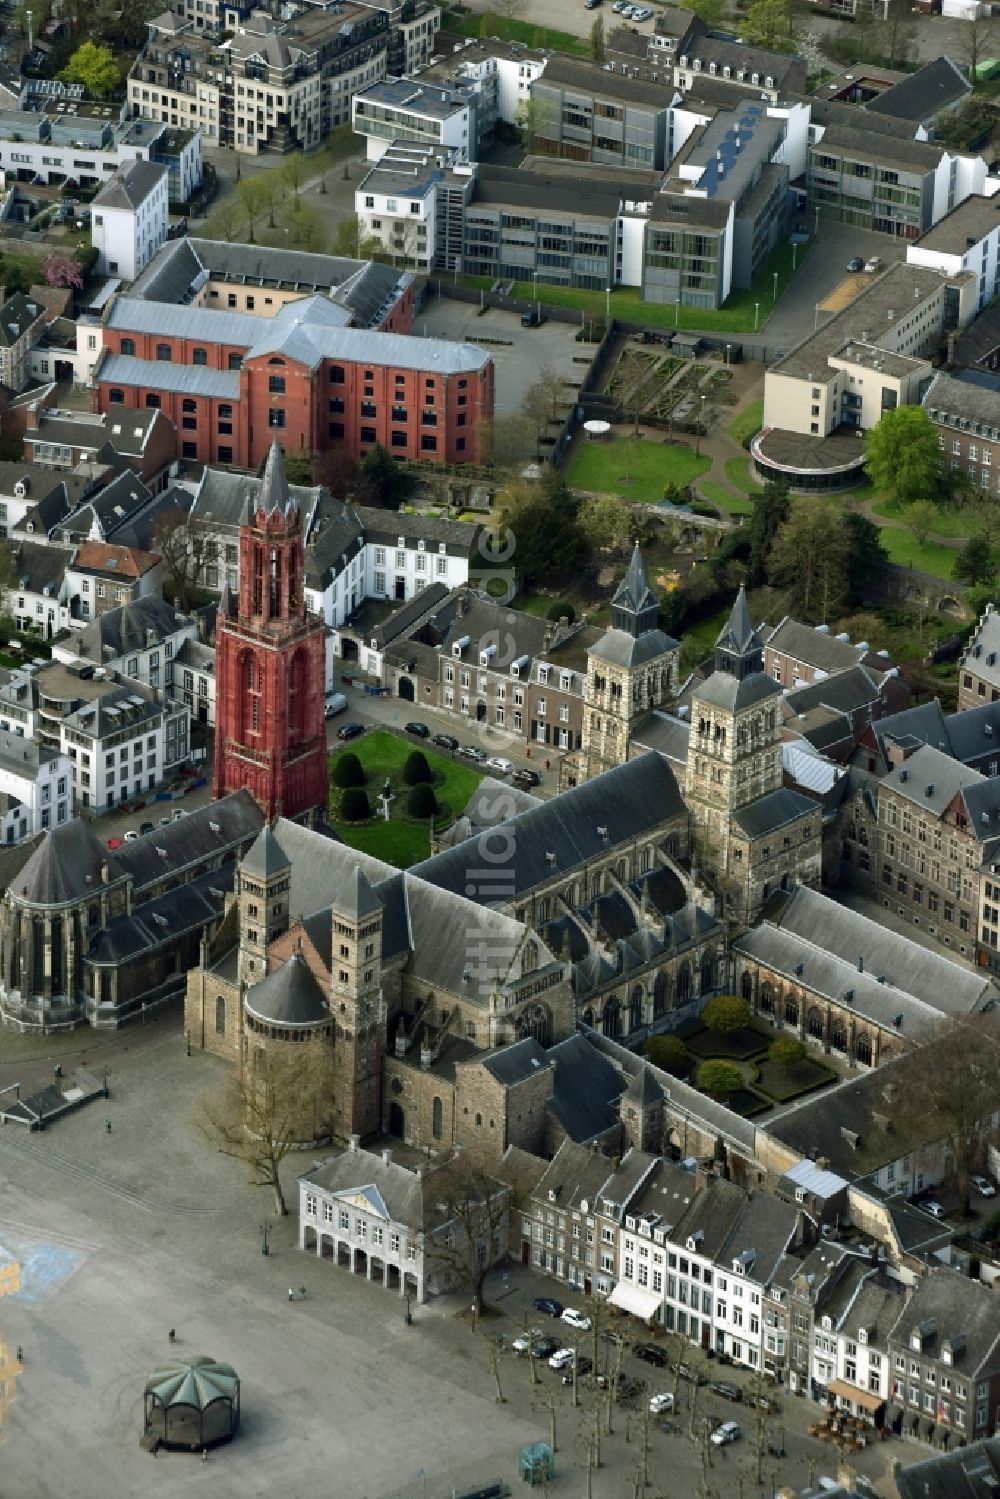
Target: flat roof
{"x": 963, "y": 227}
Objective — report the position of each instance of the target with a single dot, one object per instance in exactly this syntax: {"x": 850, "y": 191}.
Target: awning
{"x": 636, "y": 1299}
{"x": 864, "y": 1398}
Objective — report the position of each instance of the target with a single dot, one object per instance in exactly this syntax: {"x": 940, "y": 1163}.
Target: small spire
{"x": 738, "y": 634}
{"x": 274, "y": 485}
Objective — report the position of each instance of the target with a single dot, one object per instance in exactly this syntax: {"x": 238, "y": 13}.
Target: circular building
{"x": 809, "y": 464}
{"x": 192, "y": 1403}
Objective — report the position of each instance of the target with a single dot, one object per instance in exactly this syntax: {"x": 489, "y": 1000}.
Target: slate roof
{"x": 919, "y": 97}
{"x": 644, "y": 1090}
{"x": 714, "y": 1117}
{"x": 17, "y": 315}
{"x": 923, "y": 724}
{"x": 186, "y": 908}
{"x": 126, "y": 429}
{"x": 982, "y": 657}
{"x": 956, "y": 1306}
{"x": 723, "y": 690}
{"x": 972, "y": 395}
{"x": 124, "y": 630}
{"x": 516, "y": 1063}
{"x": 567, "y": 826}
{"x": 622, "y": 649}
{"x": 776, "y": 810}
{"x": 974, "y": 732}
{"x": 711, "y": 1216}
{"x": 134, "y": 314}
{"x": 491, "y": 803}
{"x": 289, "y": 996}
{"x": 217, "y": 828}
{"x": 408, "y": 1196}
{"x": 813, "y": 646}
{"x": 738, "y": 635}
{"x": 587, "y": 1089}
{"x": 765, "y": 1229}
{"x": 930, "y": 779}
{"x": 667, "y": 735}
{"x": 110, "y": 711}
{"x": 576, "y": 1175}
{"x": 971, "y": 1472}
{"x": 919, "y": 971}
{"x": 265, "y": 856}
{"x": 65, "y": 866}
{"x": 847, "y": 692}
{"x": 131, "y": 185}
{"x": 157, "y": 374}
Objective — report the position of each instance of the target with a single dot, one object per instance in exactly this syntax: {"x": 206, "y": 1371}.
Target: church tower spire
{"x": 270, "y": 731}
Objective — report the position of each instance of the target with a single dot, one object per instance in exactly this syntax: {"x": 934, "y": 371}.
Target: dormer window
{"x": 421, "y": 546}
{"x": 713, "y": 68}
{"x": 769, "y": 82}
{"x": 915, "y": 1343}
{"x": 401, "y": 541}
{"x": 441, "y": 549}
{"x": 543, "y": 675}
{"x": 862, "y": 1335}
{"x": 827, "y": 1325}
{"x": 755, "y": 79}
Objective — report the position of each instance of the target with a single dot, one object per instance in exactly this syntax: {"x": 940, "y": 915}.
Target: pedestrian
{"x": 20, "y": 1354}
{"x": 172, "y": 1335}
{"x": 107, "y": 1125}
{"x": 58, "y": 1071}
{"x": 204, "y": 1454}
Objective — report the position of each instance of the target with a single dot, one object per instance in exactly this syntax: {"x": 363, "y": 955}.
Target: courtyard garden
{"x": 426, "y": 790}
{"x": 634, "y": 467}
{"x": 729, "y": 1056}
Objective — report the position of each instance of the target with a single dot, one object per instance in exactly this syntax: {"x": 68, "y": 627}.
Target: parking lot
{"x": 824, "y": 269}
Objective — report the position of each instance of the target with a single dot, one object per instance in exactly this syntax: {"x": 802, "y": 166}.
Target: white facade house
{"x": 129, "y": 219}
{"x": 194, "y": 680}
{"x": 18, "y": 706}
{"x": 122, "y": 745}
{"x": 400, "y": 109}
{"x": 966, "y": 239}
{"x": 36, "y": 788}
{"x": 139, "y": 640}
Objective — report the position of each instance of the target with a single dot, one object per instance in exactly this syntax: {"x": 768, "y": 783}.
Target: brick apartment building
{"x": 234, "y": 382}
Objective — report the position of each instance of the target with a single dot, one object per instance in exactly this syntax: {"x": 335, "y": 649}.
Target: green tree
{"x": 293, "y": 171}
{"x": 709, "y": 11}
{"x": 273, "y": 189}
{"x": 902, "y": 454}
{"x": 726, "y": 1013}
{"x": 95, "y": 68}
{"x": 351, "y": 243}
{"x": 298, "y": 467}
{"x": 719, "y": 1079}
{"x": 597, "y": 40}
{"x": 347, "y": 770}
{"x": 416, "y": 770}
{"x": 382, "y": 482}
{"x": 250, "y": 195}
{"x": 670, "y": 1053}
{"x": 560, "y": 609}
{"x": 421, "y": 801}
{"x": 810, "y": 557}
{"x": 866, "y": 556}
{"x": 786, "y": 1052}
{"x": 766, "y": 22}
{"x": 548, "y": 543}
{"x": 770, "y": 510}
{"x": 607, "y": 522}
{"x": 920, "y": 517}
{"x": 974, "y": 562}
{"x": 354, "y": 805}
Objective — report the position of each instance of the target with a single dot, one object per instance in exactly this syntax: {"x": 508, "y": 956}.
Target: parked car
{"x": 686, "y": 1372}
{"x": 629, "y": 1389}
{"x": 874, "y": 263}
{"x": 583, "y": 1366}
{"x": 179, "y": 812}
{"x": 350, "y": 730}
{"x": 576, "y": 1319}
{"x": 728, "y": 1432}
{"x": 548, "y": 1305}
{"x": 617, "y": 1339}
{"x": 659, "y": 1405}
{"x": 855, "y": 263}
{"x": 165, "y": 822}
{"x": 145, "y": 827}
{"x": 561, "y": 1358}
{"x": 652, "y": 1353}
{"x": 761, "y": 1402}
{"x": 336, "y": 702}
{"x": 526, "y": 777}
{"x": 522, "y": 1343}
{"x": 500, "y": 764}
{"x": 934, "y": 1208}
{"x": 545, "y": 1347}
{"x": 131, "y": 836}
{"x": 618, "y": 7}
{"x": 984, "y": 1187}
{"x": 472, "y": 752}
{"x": 726, "y": 1390}
{"x": 445, "y": 741}
{"x": 533, "y": 318}
{"x": 591, "y": 4}
{"x": 418, "y": 730}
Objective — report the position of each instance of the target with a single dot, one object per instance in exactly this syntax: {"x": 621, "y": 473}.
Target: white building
{"x": 18, "y": 704}
{"x": 36, "y": 787}
{"x": 138, "y": 640}
{"x": 122, "y": 746}
{"x": 400, "y": 109}
{"x": 57, "y": 148}
{"x": 194, "y": 680}
{"x": 129, "y": 219}
{"x": 966, "y": 239}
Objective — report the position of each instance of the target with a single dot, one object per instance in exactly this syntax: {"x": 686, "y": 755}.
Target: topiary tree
{"x": 719, "y": 1079}
{"x": 354, "y": 805}
{"x": 347, "y": 770}
{"x": 670, "y": 1053}
{"x": 786, "y": 1051}
{"x": 416, "y": 768}
{"x": 725, "y": 1013}
{"x": 421, "y": 801}
{"x": 557, "y": 611}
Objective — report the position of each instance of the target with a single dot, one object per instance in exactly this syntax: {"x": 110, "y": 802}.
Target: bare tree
{"x": 9, "y": 579}
{"x": 511, "y": 11}
{"x": 273, "y": 192}
{"x": 470, "y": 1235}
{"x": 251, "y": 200}
{"x": 186, "y": 549}
{"x": 268, "y": 1103}
{"x": 977, "y": 39}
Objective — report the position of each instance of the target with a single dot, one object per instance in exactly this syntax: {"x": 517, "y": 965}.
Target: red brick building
{"x": 270, "y": 730}
{"x": 235, "y": 382}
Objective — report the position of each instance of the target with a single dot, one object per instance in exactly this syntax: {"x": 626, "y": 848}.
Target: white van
{"x": 336, "y": 702}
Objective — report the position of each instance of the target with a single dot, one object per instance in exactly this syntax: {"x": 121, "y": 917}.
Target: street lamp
{"x": 677, "y": 312}
{"x": 701, "y": 424}
{"x": 263, "y": 1230}
{"x": 728, "y": 348}
{"x": 607, "y": 304}
{"x": 795, "y": 254}
{"x": 775, "y": 296}
{"x": 816, "y": 225}
{"x": 756, "y": 315}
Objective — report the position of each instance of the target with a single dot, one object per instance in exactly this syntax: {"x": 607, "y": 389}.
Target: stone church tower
{"x": 631, "y": 670}
{"x": 734, "y": 753}
{"x": 358, "y": 1006}
{"x": 263, "y": 883}
{"x": 271, "y": 734}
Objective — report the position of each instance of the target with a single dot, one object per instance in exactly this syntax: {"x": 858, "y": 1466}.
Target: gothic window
{"x": 274, "y": 584}
{"x": 258, "y": 581}
{"x": 863, "y": 1051}
{"x": 661, "y": 994}
{"x": 543, "y": 910}
{"x": 220, "y": 1016}
{"x": 635, "y": 1009}
{"x": 746, "y": 987}
{"x": 298, "y": 696}
{"x": 530, "y": 960}
{"x": 587, "y": 1018}
{"x": 766, "y": 995}
{"x": 838, "y": 1036}
{"x": 611, "y": 1017}
{"x": 816, "y": 1025}
{"x": 791, "y": 1012}
{"x": 683, "y": 984}
{"x": 707, "y": 971}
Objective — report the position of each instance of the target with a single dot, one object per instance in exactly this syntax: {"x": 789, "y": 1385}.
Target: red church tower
{"x": 269, "y": 662}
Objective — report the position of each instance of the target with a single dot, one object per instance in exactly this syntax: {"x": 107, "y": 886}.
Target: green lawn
{"x": 520, "y": 31}
{"x": 735, "y": 316}
{"x": 738, "y": 474}
{"x": 950, "y": 522}
{"x": 719, "y": 495}
{"x": 400, "y": 841}
{"x": 735, "y": 1046}
{"x": 932, "y": 557}
{"x": 783, "y": 1083}
{"x": 602, "y": 466}
{"x": 746, "y": 422}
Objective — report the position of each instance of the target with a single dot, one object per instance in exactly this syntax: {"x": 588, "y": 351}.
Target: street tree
{"x": 63, "y": 271}
{"x": 719, "y": 1078}
{"x": 866, "y": 555}
{"x": 95, "y": 68}
{"x": 948, "y": 1091}
{"x": 709, "y": 11}
{"x": 266, "y": 1104}
{"x": 902, "y": 454}
{"x": 251, "y": 200}
{"x": 726, "y": 1013}
{"x": 350, "y": 242}
{"x": 597, "y": 53}
{"x": 898, "y": 32}
{"x": 511, "y": 11}
{"x": 293, "y": 171}
{"x": 186, "y": 549}
{"x": 273, "y": 189}
{"x": 920, "y": 517}
{"x": 471, "y": 1208}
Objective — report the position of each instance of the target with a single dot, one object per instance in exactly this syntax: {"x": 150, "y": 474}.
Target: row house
{"x": 979, "y": 670}
{"x": 797, "y": 654}
{"x": 964, "y": 410}
{"x": 945, "y": 1354}
{"x": 36, "y": 788}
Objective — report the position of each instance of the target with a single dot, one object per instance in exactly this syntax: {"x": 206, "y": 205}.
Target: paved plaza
{"x": 123, "y": 1236}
